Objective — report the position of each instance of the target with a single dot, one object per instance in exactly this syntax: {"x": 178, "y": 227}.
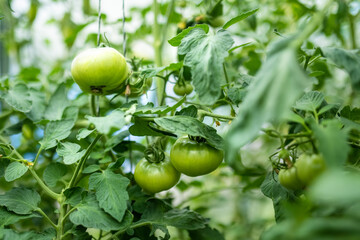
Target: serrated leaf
{"x": 351, "y": 114}
{"x": 205, "y": 234}
{"x": 58, "y": 103}
{"x": 152, "y": 72}
{"x": 327, "y": 107}
{"x": 83, "y": 133}
{"x": 10, "y": 234}
{"x": 190, "y": 111}
{"x": 90, "y": 215}
{"x": 240, "y": 17}
{"x": 150, "y": 109}
{"x": 310, "y": 101}
{"x": 346, "y": 59}
{"x": 70, "y": 113}
{"x": 74, "y": 195}
{"x": 205, "y": 54}
{"x": 115, "y": 120}
{"x": 39, "y": 105}
{"x": 332, "y": 142}
{"x": 116, "y": 139}
{"x": 70, "y": 152}
{"x": 14, "y": 171}
{"x": 7, "y": 218}
{"x": 18, "y": 98}
{"x": 176, "y": 41}
{"x": 142, "y": 128}
{"x": 110, "y": 192}
{"x": 53, "y": 173}
{"x": 191, "y": 126}
{"x": 91, "y": 169}
{"x": 270, "y": 96}
{"x": 56, "y": 131}
{"x": 20, "y": 200}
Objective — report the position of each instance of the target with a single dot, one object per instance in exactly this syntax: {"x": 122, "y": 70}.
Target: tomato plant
{"x": 194, "y": 158}
{"x": 100, "y": 70}
{"x": 268, "y": 92}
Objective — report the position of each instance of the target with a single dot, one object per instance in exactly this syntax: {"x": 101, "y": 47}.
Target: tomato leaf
{"x": 83, "y": 133}
{"x": 142, "y": 128}
{"x": 176, "y": 41}
{"x": 58, "y": 103}
{"x": 38, "y": 100}
{"x": 310, "y": 101}
{"x": 239, "y": 18}
{"x": 70, "y": 152}
{"x": 349, "y": 60}
{"x": 205, "y": 54}
{"x": 18, "y": 97}
{"x": 351, "y": 114}
{"x": 115, "y": 120}
{"x": 110, "y": 192}
{"x": 191, "y": 126}
{"x": 20, "y": 200}
{"x": 266, "y": 99}
{"x": 115, "y": 140}
{"x": 188, "y": 111}
{"x": 53, "y": 173}
{"x": 150, "y": 109}
{"x": 56, "y": 131}
{"x": 90, "y": 215}
{"x": 7, "y": 217}
{"x": 206, "y": 233}
{"x": 14, "y": 171}
{"x": 332, "y": 142}
{"x": 9, "y": 234}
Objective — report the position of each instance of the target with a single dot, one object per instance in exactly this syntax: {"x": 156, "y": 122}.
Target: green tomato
{"x": 216, "y": 22}
{"x": 181, "y": 90}
{"x": 193, "y": 158}
{"x": 100, "y": 70}
{"x": 289, "y": 179}
{"x": 156, "y": 177}
{"x": 309, "y": 167}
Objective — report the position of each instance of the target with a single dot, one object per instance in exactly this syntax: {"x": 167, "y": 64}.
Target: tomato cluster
{"x": 183, "y": 89}
{"x": 305, "y": 170}
{"x": 187, "y": 156}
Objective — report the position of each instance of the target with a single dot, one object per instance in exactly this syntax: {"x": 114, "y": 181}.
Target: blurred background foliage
{"x": 39, "y": 38}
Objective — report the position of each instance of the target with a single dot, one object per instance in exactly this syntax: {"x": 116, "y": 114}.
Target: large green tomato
{"x": 181, "y": 90}
{"x": 100, "y": 70}
{"x": 194, "y": 158}
{"x": 309, "y": 167}
{"x": 289, "y": 179}
{"x": 156, "y": 177}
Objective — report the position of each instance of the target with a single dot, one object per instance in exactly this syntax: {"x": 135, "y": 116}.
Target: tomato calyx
{"x": 154, "y": 154}
{"x": 197, "y": 139}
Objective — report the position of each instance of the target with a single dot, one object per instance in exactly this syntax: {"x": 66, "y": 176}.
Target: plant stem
{"x": 82, "y": 161}
{"x": 202, "y": 113}
{"x": 352, "y": 31}
{"x": 37, "y": 156}
{"x": 60, "y": 226}
{"x": 47, "y": 190}
{"x": 136, "y": 225}
{"x": 46, "y": 217}
{"x": 93, "y": 105}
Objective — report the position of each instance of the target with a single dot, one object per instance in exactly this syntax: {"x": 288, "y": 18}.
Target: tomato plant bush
{"x": 94, "y": 107}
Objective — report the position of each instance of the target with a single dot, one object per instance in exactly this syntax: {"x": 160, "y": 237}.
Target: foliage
{"x": 273, "y": 81}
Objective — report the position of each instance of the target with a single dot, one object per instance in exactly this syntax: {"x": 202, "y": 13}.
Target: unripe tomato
{"x": 289, "y": 179}
{"x": 27, "y": 132}
{"x": 216, "y": 22}
{"x": 100, "y": 70}
{"x": 156, "y": 177}
{"x": 194, "y": 158}
{"x": 181, "y": 90}
{"x": 309, "y": 167}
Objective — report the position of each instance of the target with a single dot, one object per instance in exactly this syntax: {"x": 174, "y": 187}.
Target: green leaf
{"x": 110, "y": 192}
{"x": 150, "y": 109}
{"x": 190, "y": 111}
{"x": 20, "y": 200}
{"x": 74, "y": 195}
{"x": 7, "y": 218}
{"x": 270, "y": 96}
{"x": 206, "y": 233}
{"x": 91, "y": 169}
{"x": 70, "y": 152}
{"x": 53, "y": 173}
{"x": 191, "y": 126}
{"x": 56, "y": 131}
{"x": 351, "y": 114}
{"x": 205, "y": 54}
{"x": 3, "y": 163}
{"x": 115, "y": 140}
{"x": 83, "y": 133}
{"x": 310, "y": 101}
{"x": 10, "y": 234}
{"x": 58, "y": 103}
{"x": 115, "y": 120}
{"x": 14, "y": 171}
{"x": 240, "y": 17}
{"x": 152, "y": 72}
{"x": 332, "y": 142}
{"x": 349, "y": 60}
{"x": 18, "y": 98}
{"x": 90, "y": 215}
{"x": 142, "y": 128}
{"x": 346, "y": 185}
{"x": 176, "y": 41}
{"x": 39, "y": 105}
